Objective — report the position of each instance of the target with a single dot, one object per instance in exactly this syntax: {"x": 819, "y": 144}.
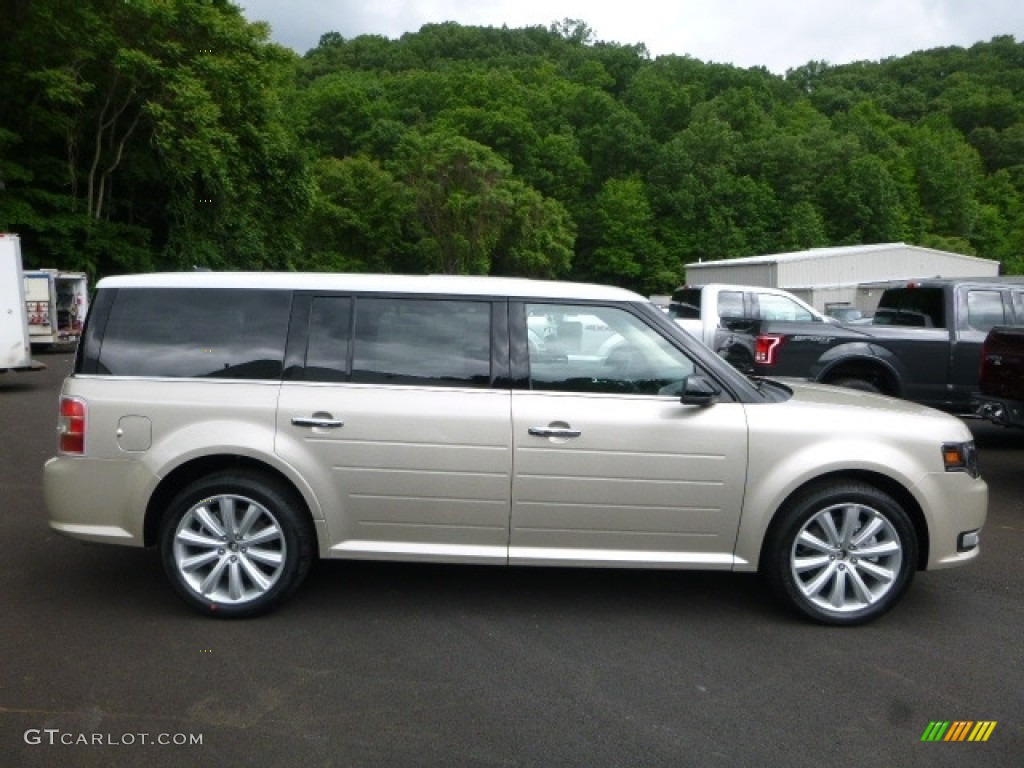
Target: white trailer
{"x": 15, "y": 346}
{"x": 55, "y": 303}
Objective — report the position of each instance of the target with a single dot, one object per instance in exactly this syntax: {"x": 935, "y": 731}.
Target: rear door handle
{"x": 554, "y": 432}
{"x": 321, "y": 420}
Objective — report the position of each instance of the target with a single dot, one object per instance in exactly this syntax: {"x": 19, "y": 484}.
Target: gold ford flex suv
{"x": 245, "y": 424}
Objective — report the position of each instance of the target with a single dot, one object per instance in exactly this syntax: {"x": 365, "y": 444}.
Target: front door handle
{"x": 321, "y": 420}
{"x": 554, "y": 432}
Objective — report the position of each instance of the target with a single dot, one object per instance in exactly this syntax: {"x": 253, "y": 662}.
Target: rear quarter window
{"x": 985, "y": 309}
{"x": 193, "y": 333}
{"x": 912, "y": 307}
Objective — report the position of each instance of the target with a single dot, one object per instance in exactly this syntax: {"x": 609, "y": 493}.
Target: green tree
{"x": 459, "y": 203}
{"x": 140, "y": 134}
{"x": 357, "y": 222}
{"x": 948, "y": 174}
{"x": 153, "y": 135}
{"x": 863, "y": 203}
{"x": 628, "y": 251}
{"x": 538, "y": 236}
{"x": 1000, "y": 228}
{"x": 803, "y": 227}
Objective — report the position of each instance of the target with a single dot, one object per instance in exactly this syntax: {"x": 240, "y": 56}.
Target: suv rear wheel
{"x": 843, "y": 553}
{"x": 235, "y": 544}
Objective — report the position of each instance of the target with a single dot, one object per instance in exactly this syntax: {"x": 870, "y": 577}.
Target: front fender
{"x": 772, "y": 481}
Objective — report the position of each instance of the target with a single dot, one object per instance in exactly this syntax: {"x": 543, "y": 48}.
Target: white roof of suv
{"x": 329, "y": 281}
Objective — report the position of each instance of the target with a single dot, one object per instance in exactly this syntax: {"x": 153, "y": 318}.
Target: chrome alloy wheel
{"x": 229, "y": 549}
{"x": 846, "y": 557}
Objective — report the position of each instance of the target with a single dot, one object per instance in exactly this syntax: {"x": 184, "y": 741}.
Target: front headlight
{"x": 960, "y": 457}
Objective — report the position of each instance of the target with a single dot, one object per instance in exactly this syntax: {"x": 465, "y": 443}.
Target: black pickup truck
{"x": 1001, "y": 380}
{"x": 924, "y": 343}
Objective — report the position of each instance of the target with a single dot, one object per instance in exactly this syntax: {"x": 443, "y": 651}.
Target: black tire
{"x": 863, "y": 385}
{"x": 815, "y": 557}
{"x": 236, "y": 544}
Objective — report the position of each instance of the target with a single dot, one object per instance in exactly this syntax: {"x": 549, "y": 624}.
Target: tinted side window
{"x": 190, "y": 333}
{"x": 912, "y": 307}
{"x": 984, "y": 309}
{"x": 1018, "y": 306}
{"x": 330, "y": 326}
{"x": 422, "y": 341}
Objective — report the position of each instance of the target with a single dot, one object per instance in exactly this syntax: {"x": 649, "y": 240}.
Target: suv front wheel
{"x": 842, "y": 554}
{"x": 235, "y": 544}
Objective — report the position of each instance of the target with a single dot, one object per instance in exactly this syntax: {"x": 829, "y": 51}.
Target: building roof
{"x": 826, "y": 253}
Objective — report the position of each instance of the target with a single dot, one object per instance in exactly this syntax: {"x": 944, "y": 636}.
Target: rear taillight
{"x": 71, "y": 426}
{"x": 765, "y": 347}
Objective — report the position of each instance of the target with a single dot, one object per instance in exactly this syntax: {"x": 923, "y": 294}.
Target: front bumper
{"x": 955, "y": 509}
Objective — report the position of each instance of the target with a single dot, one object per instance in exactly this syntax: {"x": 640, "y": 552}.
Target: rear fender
{"x": 846, "y": 360}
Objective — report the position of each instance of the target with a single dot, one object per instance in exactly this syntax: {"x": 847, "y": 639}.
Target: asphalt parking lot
{"x": 403, "y": 665}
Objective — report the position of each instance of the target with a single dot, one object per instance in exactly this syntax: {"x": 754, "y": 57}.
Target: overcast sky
{"x": 777, "y": 34}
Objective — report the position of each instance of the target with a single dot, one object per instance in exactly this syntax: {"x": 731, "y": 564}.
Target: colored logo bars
{"x": 958, "y": 730}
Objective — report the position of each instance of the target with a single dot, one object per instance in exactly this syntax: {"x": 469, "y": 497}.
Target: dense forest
{"x": 163, "y": 134}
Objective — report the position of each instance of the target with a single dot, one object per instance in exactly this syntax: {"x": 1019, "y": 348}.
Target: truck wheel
{"x": 236, "y": 544}
{"x": 862, "y": 385}
{"x": 842, "y": 553}
{"x": 739, "y": 358}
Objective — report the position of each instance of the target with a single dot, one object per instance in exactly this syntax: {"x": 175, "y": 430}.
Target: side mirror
{"x": 698, "y": 391}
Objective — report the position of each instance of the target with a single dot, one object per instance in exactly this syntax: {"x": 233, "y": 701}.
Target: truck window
{"x": 773, "y": 307}
{"x": 685, "y": 304}
{"x": 985, "y": 309}
{"x": 730, "y": 304}
{"x": 912, "y": 308}
{"x": 1018, "y": 306}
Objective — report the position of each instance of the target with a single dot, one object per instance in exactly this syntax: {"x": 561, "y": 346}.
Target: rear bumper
{"x": 1006, "y": 413}
{"x": 96, "y": 500}
{"x": 31, "y": 365}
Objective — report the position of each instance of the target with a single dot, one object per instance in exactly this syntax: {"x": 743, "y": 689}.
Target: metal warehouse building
{"x": 848, "y": 275}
